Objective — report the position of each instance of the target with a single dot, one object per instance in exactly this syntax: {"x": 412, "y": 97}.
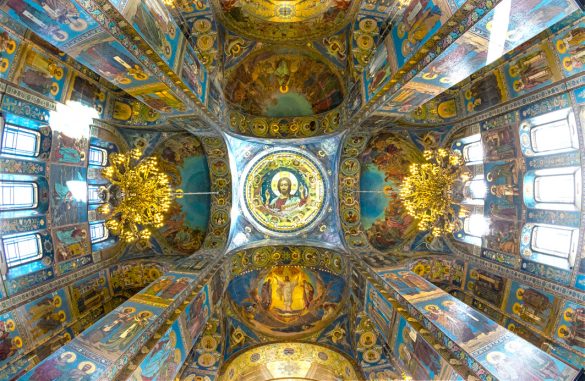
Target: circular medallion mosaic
{"x": 284, "y": 191}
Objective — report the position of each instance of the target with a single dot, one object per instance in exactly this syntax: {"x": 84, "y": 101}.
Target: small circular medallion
{"x": 206, "y": 360}
{"x": 284, "y": 191}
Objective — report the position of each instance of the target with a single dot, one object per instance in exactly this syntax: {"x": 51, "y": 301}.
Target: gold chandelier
{"x": 427, "y": 191}
{"x": 138, "y": 196}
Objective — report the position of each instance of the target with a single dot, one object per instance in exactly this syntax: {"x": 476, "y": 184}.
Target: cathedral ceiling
{"x": 303, "y": 362}
{"x": 284, "y": 82}
{"x": 276, "y": 21}
{"x": 284, "y": 191}
{"x": 385, "y": 163}
{"x": 182, "y": 157}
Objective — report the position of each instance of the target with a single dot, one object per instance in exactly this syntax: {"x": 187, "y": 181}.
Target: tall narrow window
{"x": 474, "y": 191}
{"x": 554, "y": 245}
{"x": 473, "y": 152}
{"x": 554, "y": 188}
{"x": 553, "y": 136}
{"x": 20, "y": 141}
{"x": 552, "y": 240}
{"x": 98, "y": 232}
{"x": 98, "y": 156}
{"x": 22, "y": 249}
{"x": 93, "y": 195}
{"x": 549, "y": 133}
{"x": 16, "y": 195}
{"x": 475, "y": 225}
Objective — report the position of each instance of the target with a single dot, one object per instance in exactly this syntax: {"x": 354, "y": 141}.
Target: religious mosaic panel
{"x": 70, "y": 242}
{"x": 284, "y": 191}
{"x": 287, "y": 301}
{"x": 11, "y": 341}
{"x": 65, "y": 364}
{"x": 183, "y": 159}
{"x": 570, "y": 327}
{"x": 418, "y": 356}
{"x": 116, "y": 332}
{"x": 385, "y": 163}
{"x": 268, "y": 21}
{"x": 206, "y": 357}
{"x": 166, "y": 357}
{"x": 530, "y": 305}
{"x": 9, "y": 51}
{"x": 69, "y": 195}
{"x": 48, "y": 314}
{"x": 304, "y": 360}
{"x": 284, "y": 82}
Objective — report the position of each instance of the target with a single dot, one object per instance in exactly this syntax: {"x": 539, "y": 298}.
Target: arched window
{"x": 98, "y": 232}
{"x": 20, "y": 141}
{"x": 474, "y": 191}
{"x": 18, "y": 195}
{"x": 93, "y": 195}
{"x": 21, "y": 249}
{"x": 553, "y": 132}
{"x": 475, "y": 225}
{"x": 473, "y": 150}
{"x": 550, "y": 245}
{"x": 98, "y": 156}
{"x": 554, "y": 188}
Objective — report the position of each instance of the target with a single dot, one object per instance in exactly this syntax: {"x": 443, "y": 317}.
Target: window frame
{"x": 551, "y": 120}
{"x": 17, "y": 239}
{"x": 530, "y": 190}
{"x": 539, "y": 196}
{"x": 466, "y": 148}
{"x": 105, "y": 232}
{"x": 551, "y": 257}
{"x": 96, "y": 201}
{"x": 466, "y": 224}
{"x": 104, "y": 156}
{"x": 18, "y": 130}
{"x": 13, "y": 207}
{"x": 471, "y": 200}
{"x": 467, "y": 234}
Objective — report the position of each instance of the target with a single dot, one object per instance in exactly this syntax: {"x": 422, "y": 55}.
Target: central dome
{"x": 284, "y": 192}
{"x": 284, "y": 83}
{"x": 278, "y": 20}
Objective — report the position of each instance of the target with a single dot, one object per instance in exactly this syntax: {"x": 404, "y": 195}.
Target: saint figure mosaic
{"x": 284, "y": 191}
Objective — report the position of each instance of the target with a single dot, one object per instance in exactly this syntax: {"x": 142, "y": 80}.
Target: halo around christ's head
{"x": 294, "y": 183}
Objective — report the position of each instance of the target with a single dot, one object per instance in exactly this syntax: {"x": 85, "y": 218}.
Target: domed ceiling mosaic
{"x": 287, "y": 291}
{"x": 290, "y": 361}
{"x": 296, "y": 20}
{"x": 287, "y": 301}
{"x": 284, "y": 191}
{"x": 284, "y": 82}
{"x": 386, "y": 160}
{"x": 183, "y": 159}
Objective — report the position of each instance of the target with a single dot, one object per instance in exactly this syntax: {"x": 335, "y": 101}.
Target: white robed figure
{"x": 285, "y": 291}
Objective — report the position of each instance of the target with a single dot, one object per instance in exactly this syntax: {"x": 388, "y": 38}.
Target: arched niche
{"x": 287, "y": 291}
{"x": 183, "y": 158}
{"x": 384, "y": 164}
{"x": 290, "y": 361}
